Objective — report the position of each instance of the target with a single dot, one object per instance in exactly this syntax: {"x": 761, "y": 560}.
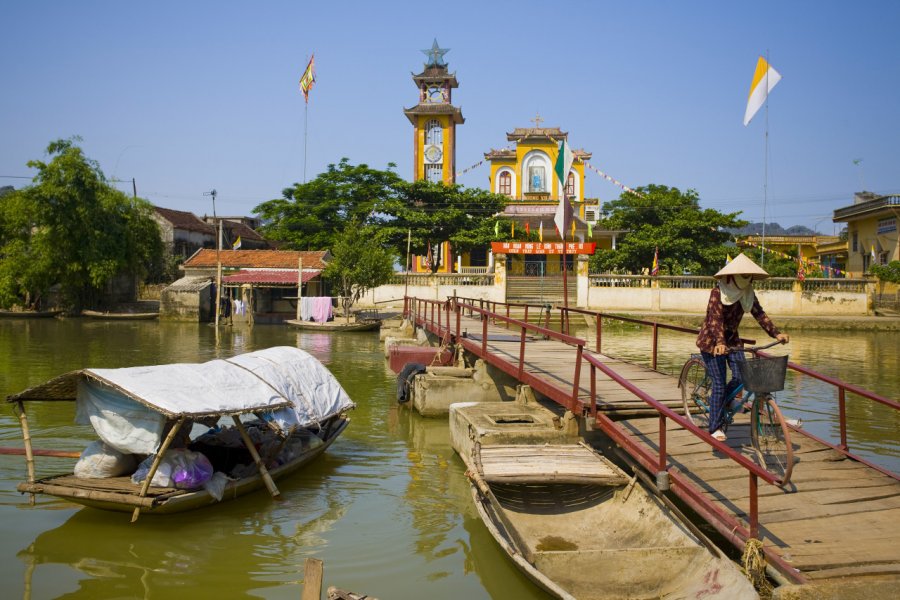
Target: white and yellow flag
{"x": 764, "y": 79}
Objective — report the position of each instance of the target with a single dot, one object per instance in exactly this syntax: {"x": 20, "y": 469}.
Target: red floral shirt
{"x": 721, "y": 324}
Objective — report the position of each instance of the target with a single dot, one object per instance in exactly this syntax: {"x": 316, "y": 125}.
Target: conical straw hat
{"x": 741, "y": 265}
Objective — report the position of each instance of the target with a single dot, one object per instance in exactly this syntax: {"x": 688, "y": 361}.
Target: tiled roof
{"x": 190, "y": 284}
{"x": 259, "y": 259}
{"x": 270, "y": 276}
{"x": 239, "y": 229}
{"x": 184, "y": 220}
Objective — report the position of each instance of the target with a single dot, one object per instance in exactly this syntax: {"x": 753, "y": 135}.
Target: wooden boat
{"x": 574, "y": 523}
{"x": 28, "y": 314}
{"x": 120, "y": 316}
{"x": 303, "y": 405}
{"x": 337, "y": 325}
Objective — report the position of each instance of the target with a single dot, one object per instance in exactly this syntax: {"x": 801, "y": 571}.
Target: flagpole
{"x": 565, "y": 267}
{"x": 305, "y": 118}
{"x": 762, "y": 255}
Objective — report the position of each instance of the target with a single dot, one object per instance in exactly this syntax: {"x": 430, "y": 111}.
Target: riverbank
{"x": 787, "y": 323}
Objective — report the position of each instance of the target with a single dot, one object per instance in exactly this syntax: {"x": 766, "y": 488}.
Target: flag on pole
{"x": 654, "y": 270}
{"x": 512, "y": 229}
{"x": 541, "y": 232}
{"x": 564, "y": 211}
{"x": 573, "y": 230}
{"x": 764, "y": 79}
{"x": 527, "y": 228}
{"x": 801, "y": 273}
{"x": 727, "y": 258}
{"x": 237, "y": 243}
{"x": 308, "y": 78}
{"x": 590, "y": 230}
{"x": 496, "y": 228}
{"x": 873, "y": 252}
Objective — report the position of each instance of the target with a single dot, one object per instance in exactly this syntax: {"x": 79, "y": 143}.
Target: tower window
{"x": 434, "y": 173}
{"x": 434, "y": 133}
{"x": 570, "y": 185}
{"x": 505, "y": 186}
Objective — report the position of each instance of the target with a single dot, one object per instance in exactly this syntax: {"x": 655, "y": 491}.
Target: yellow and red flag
{"x": 654, "y": 270}
{"x": 308, "y": 78}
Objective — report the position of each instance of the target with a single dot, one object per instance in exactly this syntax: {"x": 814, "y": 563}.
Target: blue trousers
{"x": 715, "y": 366}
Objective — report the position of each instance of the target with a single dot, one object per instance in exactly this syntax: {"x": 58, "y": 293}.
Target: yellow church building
{"x": 524, "y": 173}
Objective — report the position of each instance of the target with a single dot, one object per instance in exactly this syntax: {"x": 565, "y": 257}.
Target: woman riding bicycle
{"x": 728, "y": 301}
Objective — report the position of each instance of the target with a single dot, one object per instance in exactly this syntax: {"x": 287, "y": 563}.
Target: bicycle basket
{"x": 764, "y": 373}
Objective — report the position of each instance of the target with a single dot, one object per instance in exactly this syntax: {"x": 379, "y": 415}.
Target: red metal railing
{"x": 726, "y": 523}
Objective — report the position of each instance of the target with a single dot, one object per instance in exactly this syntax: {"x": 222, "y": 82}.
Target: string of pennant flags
{"x": 803, "y": 266}
{"x": 467, "y": 169}
{"x": 613, "y": 180}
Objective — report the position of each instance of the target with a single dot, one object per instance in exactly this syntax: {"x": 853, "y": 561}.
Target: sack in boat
{"x": 180, "y": 468}
{"x": 100, "y": 460}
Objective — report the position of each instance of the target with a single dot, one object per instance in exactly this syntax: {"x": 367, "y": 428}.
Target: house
{"x": 184, "y": 233}
{"x": 871, "y": 230}
{"x": 263, "y": 281}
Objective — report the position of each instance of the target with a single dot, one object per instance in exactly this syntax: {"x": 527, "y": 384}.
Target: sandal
{"x": 720, "y": 435}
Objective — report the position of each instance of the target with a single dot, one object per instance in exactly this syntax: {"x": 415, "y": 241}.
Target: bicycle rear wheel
{"x": 771, "y": 438}
{"x": 695, "y": 388}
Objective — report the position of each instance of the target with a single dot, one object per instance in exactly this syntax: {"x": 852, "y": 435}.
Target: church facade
{"x": 522, "y": 171}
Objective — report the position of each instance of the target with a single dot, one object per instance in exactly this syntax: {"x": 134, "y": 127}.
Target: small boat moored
{"x": 573, "y": 521}
{"x": 181, "y": 436}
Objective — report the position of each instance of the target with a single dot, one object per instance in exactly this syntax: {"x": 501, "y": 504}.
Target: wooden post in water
{"x": 313, "y": 574}
{"x": 299, "y": 285}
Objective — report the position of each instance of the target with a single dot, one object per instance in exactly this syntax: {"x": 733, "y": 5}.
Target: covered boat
{"x": 252, "y": 418}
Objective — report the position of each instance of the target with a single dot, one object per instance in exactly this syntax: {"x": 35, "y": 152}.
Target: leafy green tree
{"x": 73, "y": 229}
{"x": 426, "y": 214}
{"x": 887, "y": 273}
{"x": 358, "y": 263}
{"x": 310, "y": 216}
{"x": 689, "y": 238}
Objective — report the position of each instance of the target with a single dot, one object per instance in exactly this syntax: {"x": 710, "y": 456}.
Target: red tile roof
{"x": 270, "y": 276}
{"x": 184, "y": 220}
{"x": 259, "y": 259}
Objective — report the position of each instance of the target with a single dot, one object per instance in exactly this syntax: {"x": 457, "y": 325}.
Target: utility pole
{"x": 218, "y": 257}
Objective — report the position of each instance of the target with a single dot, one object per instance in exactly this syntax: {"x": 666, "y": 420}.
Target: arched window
{"x": 535, "y": 168}
{"x": 434, "y": 133}
{"x": 434, "y": 173}
{"x": 505, "y": 186}
{"x": 570, "y": 185}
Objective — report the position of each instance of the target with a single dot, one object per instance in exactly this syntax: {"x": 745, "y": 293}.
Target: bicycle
{"x": 761, "y": 375}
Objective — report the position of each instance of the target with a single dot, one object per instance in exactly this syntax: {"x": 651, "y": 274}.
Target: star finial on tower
{"x": 435, "y": 55}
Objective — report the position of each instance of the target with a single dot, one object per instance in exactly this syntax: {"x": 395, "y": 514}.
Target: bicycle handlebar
{"x": 755, "y": 348}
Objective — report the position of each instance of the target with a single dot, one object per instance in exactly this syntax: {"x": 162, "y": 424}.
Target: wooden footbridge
{"x": 836, "y": 521}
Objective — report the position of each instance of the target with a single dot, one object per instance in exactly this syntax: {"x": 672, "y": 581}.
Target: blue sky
{"x": 185, "y": 97}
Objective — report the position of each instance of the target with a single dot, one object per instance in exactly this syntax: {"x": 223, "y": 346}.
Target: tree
{"x": 73, "y": 229}
{"x": 427, "y": 214}
{"x": 358, "y": 263}
{"x": 310, "y": 216}
{"x": 689, "y": 239}
{"x": 887, "y": 273}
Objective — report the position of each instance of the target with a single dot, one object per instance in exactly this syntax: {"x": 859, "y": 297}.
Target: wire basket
{"x": 764, "y": 373}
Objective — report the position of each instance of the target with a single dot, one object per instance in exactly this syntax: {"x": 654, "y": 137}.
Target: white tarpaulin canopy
{"x": 128, "y": 407}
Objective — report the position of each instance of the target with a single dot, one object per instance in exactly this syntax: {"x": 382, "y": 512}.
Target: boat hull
{"x": 334, "y": 325}
{"x": 121, "y": 316}
{"x": 162, "y": 501}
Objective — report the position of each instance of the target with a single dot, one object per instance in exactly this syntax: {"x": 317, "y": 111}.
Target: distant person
{"x": 732, "y": 296}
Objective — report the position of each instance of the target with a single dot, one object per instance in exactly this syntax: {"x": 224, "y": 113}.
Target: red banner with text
{"x": 543, "y": 247}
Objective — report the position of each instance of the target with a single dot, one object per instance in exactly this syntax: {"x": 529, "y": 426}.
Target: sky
{"x": 187, "y": 97}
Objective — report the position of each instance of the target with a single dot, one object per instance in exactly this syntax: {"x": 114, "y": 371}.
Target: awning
{"x": 270, "y": 276}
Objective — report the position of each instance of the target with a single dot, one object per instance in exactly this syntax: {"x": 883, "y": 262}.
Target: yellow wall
{"x": 551, "y": 150}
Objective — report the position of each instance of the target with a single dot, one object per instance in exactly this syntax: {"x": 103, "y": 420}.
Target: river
{"x": 387, "y": 508}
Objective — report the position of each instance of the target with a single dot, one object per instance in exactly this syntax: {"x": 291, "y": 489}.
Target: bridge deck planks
{"x": 836, "y": 519}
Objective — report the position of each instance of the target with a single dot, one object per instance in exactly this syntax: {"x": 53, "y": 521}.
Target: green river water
{"x": 387, "y": 508}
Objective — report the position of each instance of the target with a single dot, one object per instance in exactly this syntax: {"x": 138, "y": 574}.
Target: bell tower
{"x": 434, "y": 120}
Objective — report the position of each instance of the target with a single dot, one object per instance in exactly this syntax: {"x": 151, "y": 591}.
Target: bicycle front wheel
{"x": 695, "y": 389}
{"x": 771, "y": 438}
